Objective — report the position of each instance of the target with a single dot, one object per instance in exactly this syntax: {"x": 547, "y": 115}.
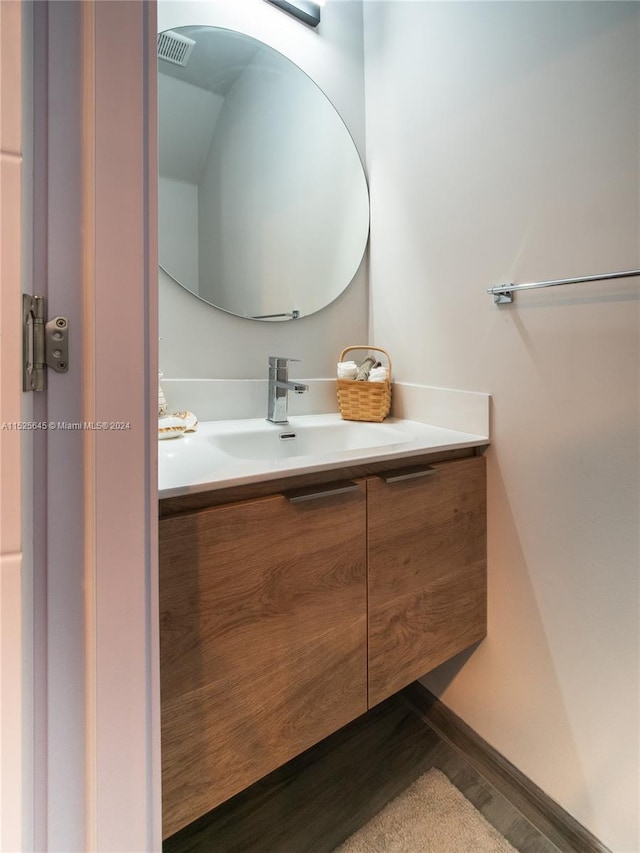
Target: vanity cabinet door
{"x": 263, "y": 640}
{"x": 426, "y": 571}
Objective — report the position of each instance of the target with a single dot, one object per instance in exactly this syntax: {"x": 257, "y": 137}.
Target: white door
{"x": 82, "y": 572}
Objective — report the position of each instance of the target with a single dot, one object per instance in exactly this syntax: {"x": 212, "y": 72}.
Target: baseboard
{"x": 549, "y": 818}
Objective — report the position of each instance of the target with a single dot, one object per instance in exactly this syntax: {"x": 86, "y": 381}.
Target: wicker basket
{"x": 364, "y": 401}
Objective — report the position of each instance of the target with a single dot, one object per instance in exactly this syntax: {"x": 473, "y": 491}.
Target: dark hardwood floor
{"x": 317, "y": 800}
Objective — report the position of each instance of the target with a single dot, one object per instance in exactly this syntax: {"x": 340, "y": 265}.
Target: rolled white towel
{"x": 347, "y": 369}
{"x": 378, "y": 374}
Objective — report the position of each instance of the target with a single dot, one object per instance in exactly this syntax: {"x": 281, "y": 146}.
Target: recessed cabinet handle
{"x": 297, "y": 497}
{"x": 408, "y": 475}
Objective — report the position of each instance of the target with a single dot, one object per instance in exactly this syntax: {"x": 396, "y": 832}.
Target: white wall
{"x": 502, "y": 145}
{"x": 186, "y": 121}
{"x": 199, "y": 341}
{"x": 281, "y": 203}
{"x": 187, "y": 116}
{"x": 178, "y": 229}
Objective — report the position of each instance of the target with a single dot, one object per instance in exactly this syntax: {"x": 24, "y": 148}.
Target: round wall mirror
{"x": 263, "y": 201}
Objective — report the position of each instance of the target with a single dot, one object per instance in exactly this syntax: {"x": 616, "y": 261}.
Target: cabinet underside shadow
{"x": 316, "y": 801}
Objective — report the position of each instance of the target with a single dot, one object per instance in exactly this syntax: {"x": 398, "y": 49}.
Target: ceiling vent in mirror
{"x": 174, "y": 47}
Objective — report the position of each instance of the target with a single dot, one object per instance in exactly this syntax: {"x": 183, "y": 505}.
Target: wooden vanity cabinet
{"x": 427, "y": 589}
{"x": 263, "y": 640}
{"x": 283, "y": 620}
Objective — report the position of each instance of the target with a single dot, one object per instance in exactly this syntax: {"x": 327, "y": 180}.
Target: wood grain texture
{"x": 263, "y": 641}
{"x": 426, "y": 572}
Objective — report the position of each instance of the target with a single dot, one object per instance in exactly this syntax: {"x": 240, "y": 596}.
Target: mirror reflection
{"x": 263, "y": 202}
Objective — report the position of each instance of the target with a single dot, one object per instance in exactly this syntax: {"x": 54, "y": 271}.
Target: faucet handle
{"x": 280, "y": 360}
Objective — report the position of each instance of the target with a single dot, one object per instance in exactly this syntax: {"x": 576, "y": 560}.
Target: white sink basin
{"x": 282, "y": 441}
{"x": 231, "y": 453}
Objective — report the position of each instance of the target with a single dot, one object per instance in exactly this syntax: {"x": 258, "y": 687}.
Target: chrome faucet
{"x": 279, "y": 387}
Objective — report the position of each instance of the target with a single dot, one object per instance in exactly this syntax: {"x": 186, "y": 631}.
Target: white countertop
{"x": 237, "y": 452}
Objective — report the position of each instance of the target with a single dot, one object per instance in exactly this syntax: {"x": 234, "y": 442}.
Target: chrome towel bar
{"x": 503, "y": 293}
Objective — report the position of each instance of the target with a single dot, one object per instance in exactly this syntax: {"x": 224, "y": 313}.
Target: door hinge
{"x": 44, "y": 343}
